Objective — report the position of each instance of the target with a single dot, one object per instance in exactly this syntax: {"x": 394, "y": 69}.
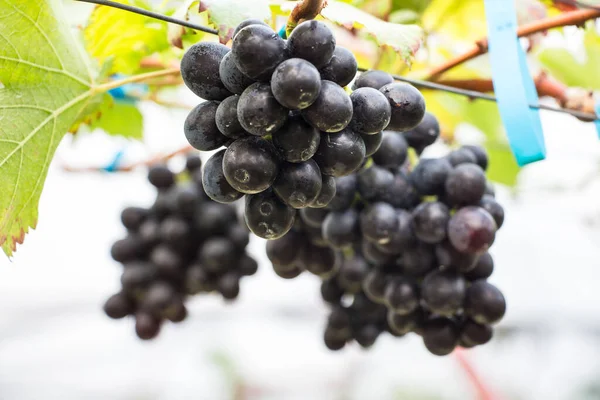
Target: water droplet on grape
{"x": 241, "y": 175}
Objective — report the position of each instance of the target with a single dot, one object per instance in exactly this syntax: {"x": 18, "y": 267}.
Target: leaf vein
{"x": 44, "y": 68}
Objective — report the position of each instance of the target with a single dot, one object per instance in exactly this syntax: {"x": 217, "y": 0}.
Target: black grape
{"x": 198, "y": 280}
{"x": 168, "y": 262}
{"x": 214, "y": 181}
{"x": 440, "y": 336}
{"x": 296, "y": 141}
{"x": 332, "y": 111}
{"x": 298, "y": 184}
{"x": 374, "y": 182}
{"x": 257, "y": 50}
{"x": 247, "y": 265}
{"x": 133, "y": 217}
{"x": 402, "y": 296}
{"x": 345, "y": 193}
{"x": 342, "y": 67}
{"x": 429, "y": 176}
{"x": 313, "y": 41}
{"x": 372, "y": 143}
{"x": 371, "y": 111}
{"x": 201, "y": 129}
{"x": 313, "y": 216}
{"x": 158, "y": 298}
{"x": 160, "y": 176}
{"x": 341, "y": 228}
{"x": 320, "y": 261}
{"x": 408, "y": 105}
{"x": 401, "y": 193}
{"x": 248, "y": 22}
{"x": 127, "y": 249}
{"x": 229, "y": 285}
{"x": 480, "y": 155}
{"x": 233, "y": 79}
{"x": 465, "y": 184}
{"x": 429, "y": 222}
{"x": 375, "y": 284}
{"x": 239, "y": 236}
{"x": 378, "y": 222}
{"x": 286, "y": 272}
{"x": 137, "y": 276}
{"x": 484, "y": 303}
{"x": 331, "y": 292}
{"x": 217, "y": 254}
{"x": 418, "y": 260}
{"x": 214, "y": 218}
{"x": 340, "y": 153}
{"x": 174, "y": 230}
{"x": 472, "y": 230}
{"x": 146, "y": 326}
{"x": 443, "y": 292}
{"x": 489, "y": 204}
{"x": 424, "y": 134}
{"x": 371, "y": 252}
{"x": 366, "y": 335}
{"x": 393, "y": 150}
{"x": 227, "y": 119}
{"x": 374, "y": 79}
{"x": 200, "y": 70}
{"x": 193, "y": 162}
{"x": 251, "y": 165}
{"x": 259, "y": 113}
{"x": 483, "y": 268}
{"x": 327, "y": 193}
{"x": 332, "y": 342}
{"x": 267, "y": 216}
{"x": 402, "y": 239}
{"x": 352, "y": 273}
{"x": 118, "y": 306}
{"x": 451, "y": 258}
{"x": 402, "y": 324}
{"x": 474, "y": 334}
{"x": 296, "y": 83}
{"x": 461, "y": 156}
{"x": 285, "y": 250}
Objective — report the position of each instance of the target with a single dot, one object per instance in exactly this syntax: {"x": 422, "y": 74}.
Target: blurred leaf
{"x": 377, "y": 8}
{"x": 226, "y": 15}
{"x": 415, "y": 5}
{"x": 47, "y": 85}
{"x": 567, "y": 68}
{"x": 120, "y": 119}
{"x": 182, "y": 37}
{"x": 404, "y": 39}
{"x": 459, "y": 19}
{"x": 124, "y": 37}
{"x": 404, "y": 17}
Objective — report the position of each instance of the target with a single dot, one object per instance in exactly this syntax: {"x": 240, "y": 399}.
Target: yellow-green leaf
{"x": 125, "y": 37}
{"x": 120, "y": 119}
{"x": 226, "y": 15}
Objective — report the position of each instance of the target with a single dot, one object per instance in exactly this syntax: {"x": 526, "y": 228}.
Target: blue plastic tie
{"x": 513, "y": 85}
{"x": 114, "y": 164}
{"x": 128, "y": 93}
{"x": 282, "y": 33}
{"x": 597, "y": 121}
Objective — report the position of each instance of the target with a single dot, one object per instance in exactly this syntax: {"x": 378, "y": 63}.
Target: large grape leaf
{"x": 124, "y": 37}
{"x": 47, "y": 85}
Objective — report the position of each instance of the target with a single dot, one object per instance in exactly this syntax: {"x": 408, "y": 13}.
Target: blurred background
{"x": 56, "y": 342}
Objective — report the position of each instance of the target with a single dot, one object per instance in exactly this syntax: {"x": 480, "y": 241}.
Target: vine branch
{"x": 304, "y": 10}
{"x": 135, "y": 78}
{"x": 481, "y": 46}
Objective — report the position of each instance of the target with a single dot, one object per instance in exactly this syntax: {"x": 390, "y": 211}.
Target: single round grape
{"x": 313, "y": 216}
{"x": 331, "y": 111}
{"x": 198, "y": 280}
{"x": 483, "y": 268}
{"x": 313, "y": 41}
{"x": 480, "y": 155}
{"x": 402, "y": 324}
{"x": 296, "y": 141}
{"x": 229, "y": 285}
{"x": 401, "y": 193}
{"x": 371, "y": 111}
{"x": 331, "y": 292}
{"x": 472, "y": 230}
{"x": 248, "y": 22}
{"x": 440, "y": 336}
{"x": 296, "y": 83}
{"x": 484, "y": 303}
{"x": 374, "y": 79}
{"x": 160, "y": 176}
{"x": 429, "y": 176}
{"x": 374, "y": 285}
{"x": 227, "y": 120}
{"x": 233, "y": 79}
{"x": 489, "y": 204}
{"x": 342, "y": 67}
{"x": 200, "y": 70}
{"x": 214, "y": 219}
{"x": 378, "y": 222}
{"x": 258, "y": 111}
{"x": 147, "y": 327}
{"x": 315, "y": 236}
{"x": 215, "y": 183}
{"x": 402, "y": 239}
{"x": 461, "y": 156}
{"x": 257, "y": 50}
{"x": 247, "y": 265}
{"x": 118, "y": 306}
{"x": 176, "y": 312}
{"x": 474, "y": 334}
{"x": 373, "y": 182}
{"x": 371, "y": 252}
{"x": 332, "y": 341}
{"x": 345, "y": 193}
{"x": 443, "y": 292}
{"x": 424, "y": 134}
{"x": 286, "y": 272}
{"x": 320, "y": 261}
{"x": 137, "y": 276}
{"x": 340, "y": 153}
{"x": 174, "y": 230}
{"x": 327, "y": 193}
{"x": 251, "y": 165}
{"x": 402, "y": 296}
{"x": 341, "y": 228}
{"x": 451, "y": 258}
{"x": 366, "y": 335}
{"x": 429, "y": 222}
{"x": 218, "y": 254}
{"x": 127, "y": 249}
{"x": 168, "y": 262}
{"x": 267, "y": 216}
{"x": 158, "y": 298}
{"x": 465, "y": 184}
{"x": 393, "y": 150}
{"x": 298, "y": 184}
{"x": 193, "y": 162}
{"x": 201, "y": 129}
{"x": 340, "y": 322}
{"x": 352, "y": 273}
{"x": 133, "y": 217}
{"x": 407, "y": 103}
{"x": 285, "y": 250}
{"x": 372, "y": 143}
{"x": 417, "y": 261}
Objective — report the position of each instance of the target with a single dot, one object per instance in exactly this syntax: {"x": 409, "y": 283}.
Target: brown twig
{"x": 481, "y": 46}
{"x": 304, "y": 10}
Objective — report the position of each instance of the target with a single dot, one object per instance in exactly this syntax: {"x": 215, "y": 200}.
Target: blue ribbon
{"x": 513, "y": 85}
{"x": 114, "y": 164}
{"x": 597, "y": 121}
{"x": 282, "y": 33}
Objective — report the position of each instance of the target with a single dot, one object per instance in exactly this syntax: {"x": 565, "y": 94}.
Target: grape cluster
{"x": 403, "y": 248}
{"x": 184, "y": 244}
{"x": 283, "y": 126}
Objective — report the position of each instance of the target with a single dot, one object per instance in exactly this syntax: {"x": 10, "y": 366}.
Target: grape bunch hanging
{"x": 183, "y": 245}
{"x": 288, "y": 126}
{"x": 403, "y": 249}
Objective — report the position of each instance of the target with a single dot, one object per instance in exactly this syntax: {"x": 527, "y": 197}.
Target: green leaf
{"x": 226, "y": 15}
{"x": 404, "y": 39}
{"x": 120, "y": 119}
{"x": 125, "y": 37}
{"x": 182, "y": 37}
{"x": 47, "y": 86}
